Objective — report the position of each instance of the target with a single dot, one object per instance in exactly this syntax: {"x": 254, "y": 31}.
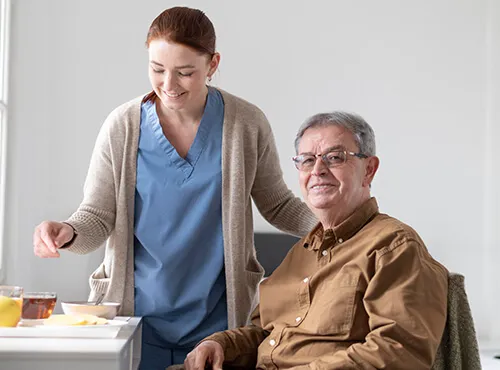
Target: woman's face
{"x": 178, "y": 74}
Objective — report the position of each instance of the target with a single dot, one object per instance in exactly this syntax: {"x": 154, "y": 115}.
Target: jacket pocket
{"x": 253, "y": 279}
{"x": 99, "y": 282}
{"x": 254, "y": 273}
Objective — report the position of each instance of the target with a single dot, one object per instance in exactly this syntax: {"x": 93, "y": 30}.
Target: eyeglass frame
{"x": 325, "y": 161}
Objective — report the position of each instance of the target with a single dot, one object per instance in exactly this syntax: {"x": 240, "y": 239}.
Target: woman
{"x": 169, "y": 187}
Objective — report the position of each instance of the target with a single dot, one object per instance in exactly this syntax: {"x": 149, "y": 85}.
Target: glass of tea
{"x": 38, "y": 305}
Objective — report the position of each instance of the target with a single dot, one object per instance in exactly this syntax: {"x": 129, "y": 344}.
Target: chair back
{"x": 458, "y": 349}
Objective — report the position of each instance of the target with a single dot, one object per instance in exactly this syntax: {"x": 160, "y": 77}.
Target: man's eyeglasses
{"x": 333, "y": 158}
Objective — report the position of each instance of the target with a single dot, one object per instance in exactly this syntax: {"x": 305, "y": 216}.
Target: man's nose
{"x": 320, "y": 168}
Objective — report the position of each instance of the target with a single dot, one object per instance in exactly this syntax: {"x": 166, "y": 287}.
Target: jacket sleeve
{"x": 406, "y": 302}
{"x": 241, "y": 344}
{"x": 95, "y": 217}
{"x": 274, "y": 200}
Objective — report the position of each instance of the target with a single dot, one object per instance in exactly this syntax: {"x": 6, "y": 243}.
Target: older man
{"x": 361, "y": 291}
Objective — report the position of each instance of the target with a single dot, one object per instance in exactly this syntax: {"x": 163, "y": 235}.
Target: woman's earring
{"x": 209, "y": 79}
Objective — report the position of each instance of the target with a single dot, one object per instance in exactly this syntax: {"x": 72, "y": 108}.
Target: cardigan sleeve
{"x": 274, "y": 200}
{"x": 95, "y": 217}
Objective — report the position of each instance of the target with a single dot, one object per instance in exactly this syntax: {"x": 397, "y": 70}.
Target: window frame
{"x": 4, "y": 72}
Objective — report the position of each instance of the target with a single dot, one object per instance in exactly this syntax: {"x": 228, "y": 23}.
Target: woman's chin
{"x": 173, "y": 105}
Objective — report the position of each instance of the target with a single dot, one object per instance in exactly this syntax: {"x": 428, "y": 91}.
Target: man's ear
{"x": 370, "y": 169}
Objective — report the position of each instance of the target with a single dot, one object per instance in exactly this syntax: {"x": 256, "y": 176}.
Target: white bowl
{"x": 107, "y": 310}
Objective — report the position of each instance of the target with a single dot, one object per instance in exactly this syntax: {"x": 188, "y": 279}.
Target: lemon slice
{"x": 101, "y": 321}
{"x": 93, "y": 320}
{"x": 64, "y": 320}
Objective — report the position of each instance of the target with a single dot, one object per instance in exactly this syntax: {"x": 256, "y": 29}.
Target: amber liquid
{"x": 38, "y": 308}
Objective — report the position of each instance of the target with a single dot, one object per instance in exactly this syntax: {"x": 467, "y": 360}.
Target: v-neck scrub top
{"x": 180, "y": 287}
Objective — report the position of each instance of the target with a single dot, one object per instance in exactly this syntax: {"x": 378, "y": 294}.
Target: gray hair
{"x": 361, "y": 130}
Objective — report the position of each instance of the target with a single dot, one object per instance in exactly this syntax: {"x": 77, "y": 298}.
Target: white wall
{"x": 491, "y": 231}
{"x": 425, "y": 74}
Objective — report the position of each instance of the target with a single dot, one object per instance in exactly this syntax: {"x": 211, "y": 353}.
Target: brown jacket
{"x": 365, "y": 295}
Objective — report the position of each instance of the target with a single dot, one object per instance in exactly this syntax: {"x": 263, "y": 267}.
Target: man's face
{"x": 340, "y": 189}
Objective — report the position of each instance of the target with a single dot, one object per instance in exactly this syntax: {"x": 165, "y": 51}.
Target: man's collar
{"x": 345, "y": 230}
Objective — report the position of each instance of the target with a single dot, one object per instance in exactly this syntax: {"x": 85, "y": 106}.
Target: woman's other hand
{"x": 49, "y": 236}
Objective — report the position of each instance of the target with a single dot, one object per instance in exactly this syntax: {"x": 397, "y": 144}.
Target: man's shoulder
{"x": 392, "y": 232}
{"x": 390, "y": 224}
{"x": 394, "y": 236}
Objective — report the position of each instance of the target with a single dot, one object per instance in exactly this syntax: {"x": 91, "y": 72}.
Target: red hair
{"x": 185, "y": 26}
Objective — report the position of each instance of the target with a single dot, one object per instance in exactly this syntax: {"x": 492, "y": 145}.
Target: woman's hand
{"x": 207, "y": 353}
{"x": 49, "y": 236}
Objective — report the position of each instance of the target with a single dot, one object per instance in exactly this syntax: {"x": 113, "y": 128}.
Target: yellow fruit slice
{"x": 64, "y": 320}
{"x": 93, "y": 320}
{"x": 74, "y": 320}
{"x": 90, "y": 319}
{"x": 101, "y": 321}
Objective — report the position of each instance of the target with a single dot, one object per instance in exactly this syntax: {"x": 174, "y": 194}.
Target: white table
{"x": 488, "y": 361}
{"x": 119, "y": 353}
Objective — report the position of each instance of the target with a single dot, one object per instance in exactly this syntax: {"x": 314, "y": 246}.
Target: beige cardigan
{"x": 250, "y": 170}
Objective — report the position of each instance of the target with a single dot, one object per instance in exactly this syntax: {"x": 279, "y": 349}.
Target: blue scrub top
{"x": 180, "y": 286}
